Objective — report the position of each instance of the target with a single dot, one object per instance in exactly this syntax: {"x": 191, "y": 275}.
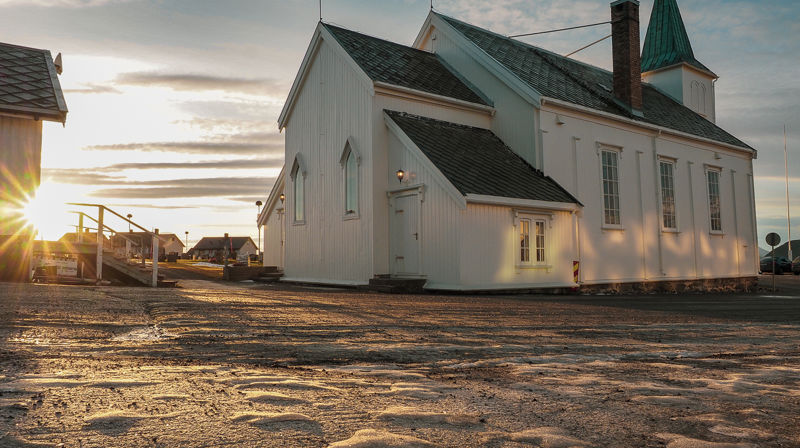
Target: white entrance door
{"x": 405, "y": 235}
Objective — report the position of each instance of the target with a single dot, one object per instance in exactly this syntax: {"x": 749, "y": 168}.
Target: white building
{"x": 29, "y": 94}
{"x": 472, "y": 161}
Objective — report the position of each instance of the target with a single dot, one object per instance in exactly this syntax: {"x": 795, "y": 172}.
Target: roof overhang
{"x": 523, "y": 203}
{"x": 439, "y": 100}
{"x": 687, "y": 65}
{"x": 647, "y": 127}
{"x": 273, "y": 198}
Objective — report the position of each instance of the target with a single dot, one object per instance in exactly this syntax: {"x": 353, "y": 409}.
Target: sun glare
{"x": 46, "y": 211}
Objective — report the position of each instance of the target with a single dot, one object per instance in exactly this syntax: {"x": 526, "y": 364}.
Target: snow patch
{"x": 373, "y": 438}
{"x": 260, "y": 418}
{"x": 150, "y": 333}
{"x": 413, "y": 415}
{"x": 274, "y": 397}
{"x": 547, "y": 436}
{"x": 679, "y": 441}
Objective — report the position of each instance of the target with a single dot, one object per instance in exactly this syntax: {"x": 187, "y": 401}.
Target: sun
{"x": 46, "y": 211}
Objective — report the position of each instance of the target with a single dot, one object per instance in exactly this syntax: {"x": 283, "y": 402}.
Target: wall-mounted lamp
{"x": 283, "y": 197}
{"x": 400, "y": 175}
{"x": 559, "y": 120}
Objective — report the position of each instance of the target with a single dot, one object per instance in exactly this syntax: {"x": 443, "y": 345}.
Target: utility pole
{"x": 786, "y": 171}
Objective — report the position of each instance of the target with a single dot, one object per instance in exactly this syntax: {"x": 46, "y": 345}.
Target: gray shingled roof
{"x": 565, "y": 79}
{"x": 219, "y": 242}
{"x": 476, "y": 161}
{"x": 29, "y": 84}
{"x": 403, "y": 66}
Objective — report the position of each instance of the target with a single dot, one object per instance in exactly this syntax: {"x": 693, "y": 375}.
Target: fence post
{"x": 99, "y": 269}
{"x": 155, "y": 259}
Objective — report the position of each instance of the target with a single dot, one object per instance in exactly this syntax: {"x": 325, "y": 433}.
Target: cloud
{"x": 194, "y": 82}
{"x": 195, "y": 147}
{"x": 275, "y": 161}
{"x": 60, "y": 3}
{"x": 159, "y": 207}
{"x": 92, "y": 88}
{"x": 189, "y": 188}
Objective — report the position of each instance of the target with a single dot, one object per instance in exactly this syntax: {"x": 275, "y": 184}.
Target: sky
{"x": 174, "y": 103}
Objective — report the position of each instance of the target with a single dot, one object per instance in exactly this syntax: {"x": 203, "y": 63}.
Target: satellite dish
{"x": 58, "y": 64}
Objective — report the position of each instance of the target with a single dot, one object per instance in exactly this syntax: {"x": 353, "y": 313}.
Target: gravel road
{"x": 215, "y": 364}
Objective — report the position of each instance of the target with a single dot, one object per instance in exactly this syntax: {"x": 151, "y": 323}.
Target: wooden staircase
{"x": 133, "y": 273}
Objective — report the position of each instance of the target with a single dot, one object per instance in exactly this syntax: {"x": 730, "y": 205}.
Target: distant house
{"x": 474, "y": 161}
{"x": 85, "y": 237}
{"x": 214, "y": 247}
{"x": 142, "y": 243}
{"x": 29, "y": 93}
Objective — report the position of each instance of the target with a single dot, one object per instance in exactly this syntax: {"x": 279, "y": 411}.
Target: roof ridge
{"x": 548, "y": 57}
{"x": 378, "y": 38}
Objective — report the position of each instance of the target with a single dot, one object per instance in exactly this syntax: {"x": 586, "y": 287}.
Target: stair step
{"x": 397, "y": 285}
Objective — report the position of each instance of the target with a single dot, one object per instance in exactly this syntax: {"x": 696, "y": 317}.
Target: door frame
{"x": 411, "y": 190}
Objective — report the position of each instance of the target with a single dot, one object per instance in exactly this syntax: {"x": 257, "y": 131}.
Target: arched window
{"x": 350, "y": 162}
{"x": 298, "y": 175}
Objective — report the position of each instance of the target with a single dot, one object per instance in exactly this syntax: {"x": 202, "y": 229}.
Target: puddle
{"x": 145, "y": 334}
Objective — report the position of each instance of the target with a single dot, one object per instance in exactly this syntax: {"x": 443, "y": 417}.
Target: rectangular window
{"x": 540, "y": 242}
{"x": 714, "y": 208}
{"x": 610, "y": 188}
{"x": 531, "y": 246}
{"x": 525, "y": 240}
{"x": 668, "y": 217}
{"x": 299, "y": 198}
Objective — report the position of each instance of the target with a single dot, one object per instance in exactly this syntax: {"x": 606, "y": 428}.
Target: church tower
{"x": 668, "y": 61}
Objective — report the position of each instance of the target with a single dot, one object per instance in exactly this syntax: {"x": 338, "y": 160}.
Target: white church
{"x": 471, "y": 161}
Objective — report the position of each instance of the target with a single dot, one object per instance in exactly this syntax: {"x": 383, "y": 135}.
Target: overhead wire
{"x": 560, "y": 29}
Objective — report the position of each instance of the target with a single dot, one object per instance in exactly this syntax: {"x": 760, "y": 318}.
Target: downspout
{"x": 641, "y": 212}
{"x": 658, "y": 206}
{"x": 736, "y": 224}
{"x": 577, "y": 226}
{"x": 694, "y": 222}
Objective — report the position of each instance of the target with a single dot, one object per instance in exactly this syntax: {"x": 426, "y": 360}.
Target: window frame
{"x": 617, "y": 152}
{"x": 718, "y": 172}
{"x": 298, "y": 176}
{"x": 349, "y": 152}
{"x": 661, "y": 190}
{"x": 533, "y": 221}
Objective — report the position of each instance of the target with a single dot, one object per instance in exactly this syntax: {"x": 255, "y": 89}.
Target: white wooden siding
{"x": 20, "y": 155}
{"x": 273, "y": 238}
{"x": 490, "y": 249}
{"x": 513, "y": 121}
{"x": 440, "y": 217}
{"x": 641, "y": 250}
{"x": 333, "y": 105}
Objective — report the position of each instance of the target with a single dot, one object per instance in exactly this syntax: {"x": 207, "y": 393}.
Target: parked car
{"x": 782, "y": 264}
{"x": 796, "y": 266}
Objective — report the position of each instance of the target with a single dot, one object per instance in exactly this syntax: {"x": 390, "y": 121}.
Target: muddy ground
{"x": 215, "y": 364}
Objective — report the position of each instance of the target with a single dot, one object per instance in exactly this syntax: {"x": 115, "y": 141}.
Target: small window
{"x": 525, "y": 240}
{"x": 351, "y": 184}
{"x": 714, "y": 206}
{"x": 610, "y": 171}
{"x": 668, "y": 216}
{"x": 298, "y": 176}
{"x": 531, "y": 247}
{"x": 540, "y": 241}
{"x": 350, "y": 161}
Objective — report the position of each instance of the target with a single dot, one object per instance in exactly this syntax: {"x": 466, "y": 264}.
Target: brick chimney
{"x": 625, "y": 49}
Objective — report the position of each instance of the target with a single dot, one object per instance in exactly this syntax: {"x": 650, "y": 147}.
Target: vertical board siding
{"x": 333, "y": 105}
{"x": 440, "y": 217}
{"x": 641, "y": 250}
{"x": 513, "y": 121}
{"x": 491, "y": 249}
{"x": 273, "y": 238}
{"x": 20, "y": 166}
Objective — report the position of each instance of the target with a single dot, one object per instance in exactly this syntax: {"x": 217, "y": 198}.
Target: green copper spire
{"x": 666, "y": 42}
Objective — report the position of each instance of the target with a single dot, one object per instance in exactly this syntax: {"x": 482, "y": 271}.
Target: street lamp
{"x": 129, "y": 222}
{"x": 187, "y": 241}
{"x": 258, "y": 226}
